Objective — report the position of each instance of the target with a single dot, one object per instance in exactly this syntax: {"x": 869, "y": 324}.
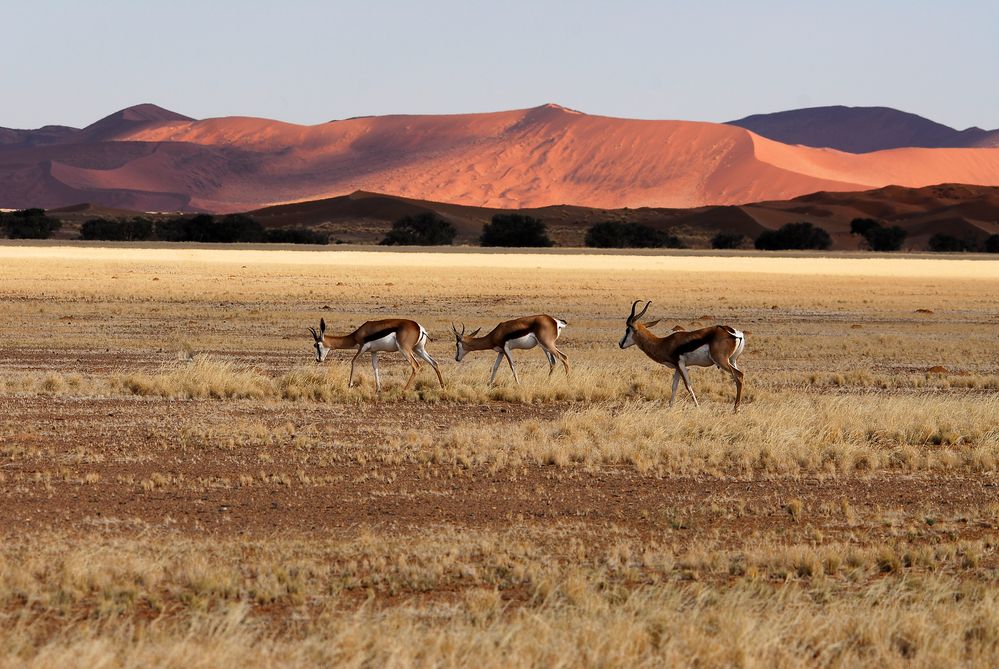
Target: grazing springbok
{"x": 520, "y": 333}
{"x": 718, "y": 345}
{"x": 393, "y": 334}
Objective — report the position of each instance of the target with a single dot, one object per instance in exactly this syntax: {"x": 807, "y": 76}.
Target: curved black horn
{"x": 642, "y": 312}
{"x": 632, "y": 316}
{"x": 315, "y": 335}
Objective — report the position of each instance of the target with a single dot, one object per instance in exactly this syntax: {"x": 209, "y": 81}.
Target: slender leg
{"x": 551, "y": 359}
{"x": 414, "y": 364}
{"x": 509, "y": 358}
{"x": 499, "y": 359}
{"x": 676, "y": 382}
{"x": 353, "y": 364}
{"x": 374, "y": 366}
{"x": 736, "y": 377}
{"x": 422, "y": 352}
{"x": 565, "y": 361}
{"x": 682, "y": 368}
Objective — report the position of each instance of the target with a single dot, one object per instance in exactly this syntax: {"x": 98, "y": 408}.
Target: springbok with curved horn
{"x": 394, "y": 334}
{"x": 718, "y": 345}
{"x": 520, "y": 333}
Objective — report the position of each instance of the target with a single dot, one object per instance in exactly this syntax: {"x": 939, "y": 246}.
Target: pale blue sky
{"x": 309, "y": 62}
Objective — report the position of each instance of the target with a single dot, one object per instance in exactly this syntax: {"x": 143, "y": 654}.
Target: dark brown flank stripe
{"x": 693, "y": 344}
{"x": 517, "y": 334}
{"x": 378, "y": 335}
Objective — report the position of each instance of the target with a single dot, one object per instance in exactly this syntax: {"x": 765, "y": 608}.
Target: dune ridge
{"x": 145, "y": 157}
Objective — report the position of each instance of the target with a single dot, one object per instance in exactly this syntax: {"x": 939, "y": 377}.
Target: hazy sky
{"x": 310, "y": 62}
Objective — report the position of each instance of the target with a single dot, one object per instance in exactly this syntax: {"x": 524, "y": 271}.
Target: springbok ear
{"x": 474, "y": 332}
{"x": 652, "y": 324}
{"x": 322, "y": 326}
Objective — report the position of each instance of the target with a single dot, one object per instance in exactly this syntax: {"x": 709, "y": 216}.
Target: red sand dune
{"x": 149, "y": 158}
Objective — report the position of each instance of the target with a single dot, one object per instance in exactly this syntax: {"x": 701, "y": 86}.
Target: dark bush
{"x": 991, "y": 244}
{"x": 28, "y": 224}
{"x": 860, "y": 226}
{"x": 797, "y": 236}
{"x": 728, "y": 240}
{"x": 944, "y": 243}
{"x": 172, "y": 230}
{"x": 515, "y": 230}
{"x": 136, "y": 229}
{"x": 427, "y": 229}
{"x": 297, "y": 236}
{"x": 614, "y": 235}
{"x": 206, "y": 228}
{"x": 881, "y": 238}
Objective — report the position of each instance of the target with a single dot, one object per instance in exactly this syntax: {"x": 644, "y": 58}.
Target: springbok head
{"x": 321, "y": 349}
{"x": 632, "y": 323}
{"x": 459, "y": 340}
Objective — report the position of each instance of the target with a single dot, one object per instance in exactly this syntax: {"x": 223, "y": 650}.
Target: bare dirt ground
{"x": 139, "y": 441}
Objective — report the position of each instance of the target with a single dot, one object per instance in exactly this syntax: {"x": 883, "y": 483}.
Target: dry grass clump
{"x": 821, "y": 435}
{"x": 203, "y": 377}
{"x": 510, "y": 598}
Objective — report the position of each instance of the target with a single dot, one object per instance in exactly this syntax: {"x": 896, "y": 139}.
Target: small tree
{"x": 614, "y": 235}
{"x": 296, "y": 236}
{"x": 860, "y": 226}
{"x": 794, "y": 236}
{"x": 944, "y": 243}
{"x": 426, "y": 229}
{"x": 880, "y": 238}
{"x": 515, "y": 230}
{"x": 728, "y": 240}
{"x": 136, "y": 229}
{"x": 28, "y": 224}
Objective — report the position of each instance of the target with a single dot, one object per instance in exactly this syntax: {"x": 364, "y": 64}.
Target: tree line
{"x": 503, "y": 230}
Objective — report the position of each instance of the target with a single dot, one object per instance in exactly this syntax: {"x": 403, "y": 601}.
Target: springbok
{"x": 520, "y": 333}
{"x": 393, "y": 334}
{"x": 718, "y": 345}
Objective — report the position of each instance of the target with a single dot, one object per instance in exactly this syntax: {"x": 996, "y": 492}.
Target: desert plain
{"x": 181, "y": 485}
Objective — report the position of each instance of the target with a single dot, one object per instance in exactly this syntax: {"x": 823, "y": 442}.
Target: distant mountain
{"x": 862, "y": 129}
{"x": 149, "y": 158}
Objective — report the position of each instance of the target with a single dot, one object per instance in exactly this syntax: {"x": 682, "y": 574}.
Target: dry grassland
{"x": 181, "y": 485}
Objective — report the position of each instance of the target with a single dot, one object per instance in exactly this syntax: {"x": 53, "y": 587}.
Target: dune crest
{"x": 534, "y": 157}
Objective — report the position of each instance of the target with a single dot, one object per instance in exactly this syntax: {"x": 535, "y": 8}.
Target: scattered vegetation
{"x": 728, "y": 240}
{"x": 794, "y": 236}
{"x": 614, "y": 235}
{"x": 515, "y": 230}
{"x": 104, "y": 229}
{"x": 28, "y": 224}
{"x": 200, "y": 228}
{"x": 944, "y": 243}
{"x": 878, "y": 236}
{"x": 426, "y": 229}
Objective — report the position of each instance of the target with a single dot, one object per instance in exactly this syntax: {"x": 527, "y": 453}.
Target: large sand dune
{"x": 149, "y": 158}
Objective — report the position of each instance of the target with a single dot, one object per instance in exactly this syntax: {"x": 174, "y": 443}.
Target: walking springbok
{"x": 520, "y": 333}
{"x": 718, "y": 345}
{"x": 393, "y": 334}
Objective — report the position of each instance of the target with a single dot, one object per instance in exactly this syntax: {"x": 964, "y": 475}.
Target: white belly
{"x": 525, "y": 342}
{"x": 699, "y": 357}
{"x": 385, "y": 344}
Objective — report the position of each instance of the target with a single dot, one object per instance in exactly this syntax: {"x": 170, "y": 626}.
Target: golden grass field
{"x": 182, "y": 486}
